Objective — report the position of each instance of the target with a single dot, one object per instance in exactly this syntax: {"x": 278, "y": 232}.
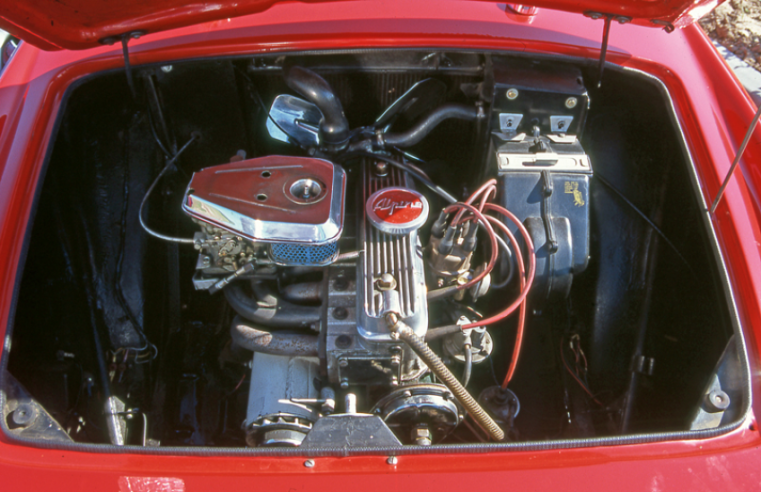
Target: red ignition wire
{"x": 531, "y": 270}
{"x": 522, "y": 313}
{"x": 487, "y": 191}
{"x": 490, "y": 185}
{"x": 492, "y": 237}
{"x": 525, "y": 284}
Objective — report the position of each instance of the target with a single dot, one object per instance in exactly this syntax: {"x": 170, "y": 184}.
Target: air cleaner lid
{"x": 273, "y": 199}
{"x": 397, "y": 210}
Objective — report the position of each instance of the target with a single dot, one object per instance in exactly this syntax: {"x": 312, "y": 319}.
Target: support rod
{"x": 739, "y": 155}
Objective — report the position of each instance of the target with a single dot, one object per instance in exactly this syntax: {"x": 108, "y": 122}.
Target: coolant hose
{"x": 334, "y": 128}
{"x": 424, "y": 126}
{"x": 434, "y": 363}
{"x": 257, "y": 340}
{"x": 265, "y": 308}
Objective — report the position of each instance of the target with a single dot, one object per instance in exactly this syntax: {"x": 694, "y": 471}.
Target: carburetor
{"x": 270, "y": 211}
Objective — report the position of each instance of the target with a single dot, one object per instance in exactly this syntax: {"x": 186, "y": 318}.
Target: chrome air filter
{"x": 295, "y": 204}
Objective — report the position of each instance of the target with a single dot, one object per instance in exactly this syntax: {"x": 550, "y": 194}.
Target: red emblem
{"x": 397, "y": 210}
{"x": 397, "y": 206}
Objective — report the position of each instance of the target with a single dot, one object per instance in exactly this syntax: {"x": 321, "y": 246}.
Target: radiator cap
{"x": 397, "y": 211}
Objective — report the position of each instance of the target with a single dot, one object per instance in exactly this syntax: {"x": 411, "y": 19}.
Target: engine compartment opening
{"x": 386, "y": 249}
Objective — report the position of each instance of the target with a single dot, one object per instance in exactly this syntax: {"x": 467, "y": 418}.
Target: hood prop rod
{"x": 621, "y": 19}
{"x": 739, "y": 155}
{"x": 124, "y": 39}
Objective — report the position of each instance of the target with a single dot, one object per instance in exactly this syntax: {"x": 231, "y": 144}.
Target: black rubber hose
{"x": 435, "y": 364}
{"x": 257, "y": 340}
{"x": 265, "y": 308}
{"x": 334, "y": 128}
{"x": 425, "y": 125}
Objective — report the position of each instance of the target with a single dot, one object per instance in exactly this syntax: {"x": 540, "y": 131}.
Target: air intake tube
{"x": 334, "y": 128}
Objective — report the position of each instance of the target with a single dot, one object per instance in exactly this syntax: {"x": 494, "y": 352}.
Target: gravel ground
{"x": 736, "y": 24}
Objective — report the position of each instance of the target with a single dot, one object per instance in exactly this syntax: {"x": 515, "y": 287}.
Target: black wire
{"x": 506, "y": 262}
{"x": 260, "y": 101}
{"x": 646, "y": 219}
{"x": 413, "y": 171}
{"x": 493, "y": 372}
{"x": 468, "y": 366}
{"x": 152, "y": 125}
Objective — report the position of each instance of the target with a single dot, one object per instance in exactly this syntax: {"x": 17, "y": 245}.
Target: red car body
{"x": 712, "y": 109}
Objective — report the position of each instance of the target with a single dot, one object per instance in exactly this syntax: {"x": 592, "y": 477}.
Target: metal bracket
{"x": 124, "y": 39}
{"x": 621, "y": 19}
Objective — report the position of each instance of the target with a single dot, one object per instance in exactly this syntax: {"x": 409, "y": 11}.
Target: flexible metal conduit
{"x": 258, "y": 340}
{"x": 435, "y": 364}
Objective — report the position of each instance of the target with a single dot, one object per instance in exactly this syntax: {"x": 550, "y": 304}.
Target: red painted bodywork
{"x": 710, "y": 105}
{"x": 80, "y": 24}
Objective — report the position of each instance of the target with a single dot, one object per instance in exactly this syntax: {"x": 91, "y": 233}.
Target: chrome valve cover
{"x": 388, "y": 278}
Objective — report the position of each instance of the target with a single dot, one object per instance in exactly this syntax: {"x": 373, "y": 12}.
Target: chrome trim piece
{"x": 574, "y": 163}
{"x": 294, "y": 120}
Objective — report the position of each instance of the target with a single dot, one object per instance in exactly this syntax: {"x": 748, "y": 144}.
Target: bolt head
{"x": 341, "y": 283}
{"x": 24, "y": 415}
{"x": 512, "y": 93}
{"x": 392, "y": 460}
{"x": 167, "y": 68}
{"x": 309, "y": 463}
{"x": 571, "y": 102}
{"x": 340, "y": 313}
{"x": 386, "y": 282}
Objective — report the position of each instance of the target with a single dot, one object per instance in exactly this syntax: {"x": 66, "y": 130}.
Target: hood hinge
{"x": 124, "y": 38}
{"x": 621, "y": 19}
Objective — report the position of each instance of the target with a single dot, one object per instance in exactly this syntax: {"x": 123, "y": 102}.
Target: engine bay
{"x": 369, "y": 250}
